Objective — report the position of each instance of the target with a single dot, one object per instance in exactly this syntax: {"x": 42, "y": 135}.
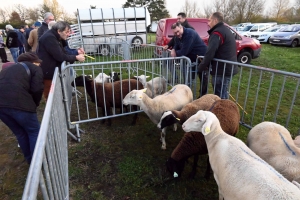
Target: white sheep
{"x": 174, "y": 99}
{"x": 273, "y": 143}
{"x": 238, "y": 171}
{"x": 102, "y": 78}
{"x": 155, "y": 86}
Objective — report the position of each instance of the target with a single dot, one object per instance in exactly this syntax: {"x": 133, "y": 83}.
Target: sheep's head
{"x": 202, "y": 121}
{"x": 142, "y": 78}
{"x": 114, "y": 76}
{"x": 133, "y": 98}
{"x": 167, "y": 119}
{"x": 79, "y": 80}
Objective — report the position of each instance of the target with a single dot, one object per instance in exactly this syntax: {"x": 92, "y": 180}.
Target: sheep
{"x": 155, "y": 86}
{"x": 174, "y": 116}
{"x": 114, "y": 76}
{"x": 273, "y": 143}
{"x": 114, "y": 93}
{"x": 193, "y": 143}
{"x": 102, "y": 78}
{"x": 174, "y": 99}
{"x": 238, "y": 171}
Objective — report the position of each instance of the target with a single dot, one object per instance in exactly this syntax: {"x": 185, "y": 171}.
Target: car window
{"x": 247, "y": 28}
{"x": 254, "y": 28}
{"x": 291, "y": 29}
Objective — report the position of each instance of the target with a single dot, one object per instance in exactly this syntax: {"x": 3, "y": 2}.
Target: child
{"x": 2, "y": 49}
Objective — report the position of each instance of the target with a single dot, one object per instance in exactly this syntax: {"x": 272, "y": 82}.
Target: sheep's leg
{"x": 195, "y": 164}
{"x": 208, "y": 168}
{"x": 162, "y": 138}
{"x": 135, "y": 116}
{"x": 175, "y": 127}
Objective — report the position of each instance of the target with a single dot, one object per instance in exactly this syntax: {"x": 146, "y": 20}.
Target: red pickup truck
{"x": 247, "y": 48}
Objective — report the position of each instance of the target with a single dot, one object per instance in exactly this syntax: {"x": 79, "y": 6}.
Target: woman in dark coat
{"x": 21, "y": 87}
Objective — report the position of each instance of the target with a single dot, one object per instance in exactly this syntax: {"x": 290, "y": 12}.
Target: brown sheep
{"x": 194, "y": 143}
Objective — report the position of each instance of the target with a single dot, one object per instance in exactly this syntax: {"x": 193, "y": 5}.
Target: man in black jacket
{"x": 51, "y": 52}
{"x": 221, "y": 45}
{"x": 181, "y": 17}
{"x": 48, "y": 17}
{"x": 21, "y": 91}
{"x": 12, "y": 42}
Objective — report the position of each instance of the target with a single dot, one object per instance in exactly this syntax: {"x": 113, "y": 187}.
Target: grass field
{"x": 126, "y": 162}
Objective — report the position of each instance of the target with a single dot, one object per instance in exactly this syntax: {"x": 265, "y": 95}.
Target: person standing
{"x": 181, "y": 17}
{"x": 21, "y": 39}
{"x": 51, "y": 52}
{"x": 33, "y": 37}
{"x": 21, "y": 87}
{"x": 187, "y": 43}
{"x": 2, "y": 49}
{"x": 12, "y": 42}
{"x": 221, "y": 45}
{"x": 27, "y": 32}
{"x": 48, "y": 17}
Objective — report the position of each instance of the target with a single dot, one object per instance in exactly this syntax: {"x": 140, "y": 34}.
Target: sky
{"x": 173, "y": 6}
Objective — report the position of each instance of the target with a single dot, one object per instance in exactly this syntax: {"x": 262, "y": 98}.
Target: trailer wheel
{"x": 137, "y": 41}
{"x": 104, "y": 50}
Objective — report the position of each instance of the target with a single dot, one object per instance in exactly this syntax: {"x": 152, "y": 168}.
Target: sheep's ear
{"x": 206, "y": 127}
{"x": 135, "y": 76}
{"x": 147, "y": 77}
{"x": 177, "y": 119}
{"x": 118, "y": 73}
{"x": 144, "y": 90}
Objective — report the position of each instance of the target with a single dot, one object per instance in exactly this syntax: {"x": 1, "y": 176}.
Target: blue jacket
{"x": 190, "y": 45}
{"x": 21, "y": 38}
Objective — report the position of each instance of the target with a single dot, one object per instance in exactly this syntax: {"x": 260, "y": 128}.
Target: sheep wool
{"x": 274, "y": 144}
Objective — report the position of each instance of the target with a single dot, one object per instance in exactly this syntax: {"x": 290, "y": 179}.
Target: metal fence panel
{"x": 49, "y": 165}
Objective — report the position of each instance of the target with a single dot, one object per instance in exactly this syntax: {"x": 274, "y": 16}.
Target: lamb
{"x": 193, "y": 143}
{"x": 174, "y": 116}
{"x": 109, "y": 94}
{"x": 238, "y": 171}
{"x": 104, "y": 78}
{"x": 273, "y": 143}
{"x": 155, "y": 86}
{"x": 174, "y": 99}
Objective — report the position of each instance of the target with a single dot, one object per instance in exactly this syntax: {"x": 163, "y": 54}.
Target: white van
{"x": 257, "y": 27}
{"x": 98, "y": 28}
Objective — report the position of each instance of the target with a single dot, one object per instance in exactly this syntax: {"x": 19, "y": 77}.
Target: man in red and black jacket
{"x": 221, "y": 45}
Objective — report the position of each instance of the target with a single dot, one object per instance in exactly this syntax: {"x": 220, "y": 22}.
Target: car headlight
{"x": 256, "y": 41}
{"x": 287, "y": 37}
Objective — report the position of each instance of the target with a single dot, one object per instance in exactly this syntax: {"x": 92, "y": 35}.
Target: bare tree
{"x": 248, "y": 10}
{"x": 279, "y": 8}
{"x": 3, "y": 15}
{"x": 191, "y": 9}
{"x": 22, "y": 11}
{"x": 33, "y": 14}
{"x": 56, "y": 10}
{"x": 68, "y": 17}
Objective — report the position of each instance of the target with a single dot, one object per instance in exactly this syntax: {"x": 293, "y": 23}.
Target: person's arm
{"x": 30, "y": 39}
{"x": 37, "y": 85}
{"x": 213, "y": 45}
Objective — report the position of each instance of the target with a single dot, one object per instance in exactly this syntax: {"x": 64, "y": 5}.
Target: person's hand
{"x": 80, "y": 51}
{"x": 173, "y": 53}
{"x": 80, "y": 57}
{"x": 165, "y": 47}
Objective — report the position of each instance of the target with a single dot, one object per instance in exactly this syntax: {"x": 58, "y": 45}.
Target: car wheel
{"x": 103, "y": 50}
{"x": 294, "y": 43}
{"x": 137, "y": 41}
{"x": 244, "y": 57}
{"x": 268, "y": 41}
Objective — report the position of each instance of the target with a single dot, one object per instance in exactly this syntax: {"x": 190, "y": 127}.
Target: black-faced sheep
{"x": 109, "y": 94}
{"x": 238, "y": 171}
{"x": 175, "y": 116}
{"x": 174, "y": 99}
{"x": 193, "y": 143}
{"x": 273, "y": 143}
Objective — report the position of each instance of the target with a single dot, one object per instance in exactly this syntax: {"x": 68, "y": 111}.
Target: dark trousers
{"x": 3, "y": 55}
{"x": 25, "y": 126}
{"x": 21, "y": 50}
{"x": 203, "y": 76}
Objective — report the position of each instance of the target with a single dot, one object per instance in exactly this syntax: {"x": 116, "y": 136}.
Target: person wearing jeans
{"x": 21, "y": 87}
{"x": 12, "y": 42}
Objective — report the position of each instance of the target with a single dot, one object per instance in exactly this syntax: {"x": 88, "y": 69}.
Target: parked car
{"x": 241, "y": 26}
{"x": 254, "y": 28}
{"x": 265, "y": 35}
{"x": 288, "y": 36}
{"x": 247, "y": 48}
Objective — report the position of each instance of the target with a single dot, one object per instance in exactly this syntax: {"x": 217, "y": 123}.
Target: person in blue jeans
{"x": 12, "y": 42}
{"x": 21, "y": 87}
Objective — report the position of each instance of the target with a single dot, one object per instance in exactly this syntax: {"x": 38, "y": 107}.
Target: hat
{"x": 29, "y": 57}
{"x": 37, "y": 23}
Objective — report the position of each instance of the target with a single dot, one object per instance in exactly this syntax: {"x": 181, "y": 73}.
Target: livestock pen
{"x": 262, "y": 94}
